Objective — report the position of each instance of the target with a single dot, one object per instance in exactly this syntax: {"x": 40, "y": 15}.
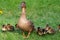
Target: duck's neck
{"x": 23, "y": 10}
{"x": 23, "y": 13}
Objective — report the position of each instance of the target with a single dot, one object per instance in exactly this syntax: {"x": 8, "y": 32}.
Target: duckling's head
{"x": 23, "y": 5}
{"x": 38, "y": 28}
{"x": 8, "y": 25}
{"x": 47, "y": 25}
{"x": 16, "y": 25}
{"x": 47, "y": 28}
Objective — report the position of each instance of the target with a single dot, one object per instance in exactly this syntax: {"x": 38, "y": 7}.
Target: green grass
{"x": 40, "y": 12}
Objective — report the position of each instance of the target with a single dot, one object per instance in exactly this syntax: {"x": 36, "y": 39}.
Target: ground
{"x": 40, "y": 12}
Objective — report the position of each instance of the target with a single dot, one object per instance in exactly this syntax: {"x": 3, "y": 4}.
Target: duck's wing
{"x": 30, "y": 23}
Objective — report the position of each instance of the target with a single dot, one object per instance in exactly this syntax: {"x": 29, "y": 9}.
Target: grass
{"x": 40, "y": 12}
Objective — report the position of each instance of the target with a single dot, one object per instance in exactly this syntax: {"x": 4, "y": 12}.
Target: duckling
{"x": 59, "y": 27}
{"x": 10, "y": 27}
{"x": 49, "y": 29}
{"x": 7, "y": 27}
{"x": 4, "y": 28}
{"x": 24, "y": 24}
{"x": 39, "y": 31}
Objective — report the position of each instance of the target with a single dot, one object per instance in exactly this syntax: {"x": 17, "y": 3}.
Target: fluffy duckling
{"x": 10, "y": 27}
{"x": 39, "y": 31}
{"x": 49, "y": 29}
{"x": 59, "y": 27}
{"x": 7, "y": 27}
{"x": 4, "y": 28}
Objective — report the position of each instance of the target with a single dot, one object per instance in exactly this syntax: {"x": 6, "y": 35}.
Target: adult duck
{"x": 24, "y": 24}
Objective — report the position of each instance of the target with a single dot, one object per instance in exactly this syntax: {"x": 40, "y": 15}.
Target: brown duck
{"x": 24, "y": 24}
{"x": 7, "y": 27}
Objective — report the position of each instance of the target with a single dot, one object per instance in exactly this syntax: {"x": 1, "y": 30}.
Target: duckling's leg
{"x": 24, "y": 35}
{"x": 28, "y": 34}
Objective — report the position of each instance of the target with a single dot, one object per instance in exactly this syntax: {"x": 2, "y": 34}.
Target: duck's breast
{"x": 25, "y": 24}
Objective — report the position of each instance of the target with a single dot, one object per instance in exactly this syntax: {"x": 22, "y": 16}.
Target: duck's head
{"x": 23, "y": 5}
